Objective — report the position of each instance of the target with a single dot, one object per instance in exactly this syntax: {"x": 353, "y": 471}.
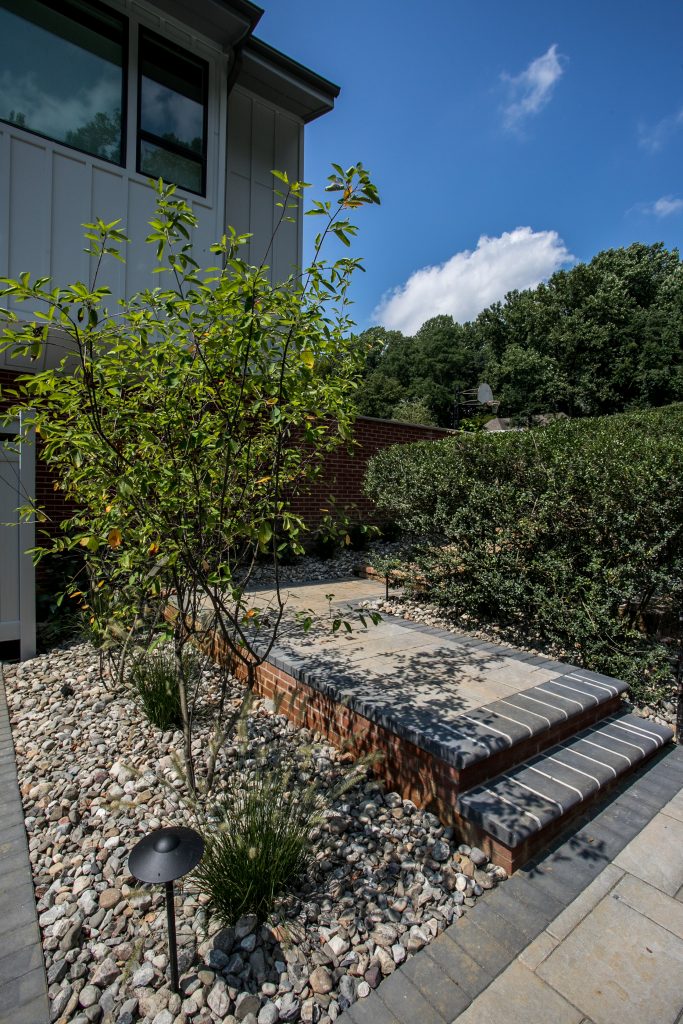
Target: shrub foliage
{"x": 572, "y": 534}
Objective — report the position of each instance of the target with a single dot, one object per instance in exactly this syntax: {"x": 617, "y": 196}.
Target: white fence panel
{"x": 17, "y": 574}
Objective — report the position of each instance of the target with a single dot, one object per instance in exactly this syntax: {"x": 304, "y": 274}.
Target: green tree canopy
{"x": 599, "y": 338}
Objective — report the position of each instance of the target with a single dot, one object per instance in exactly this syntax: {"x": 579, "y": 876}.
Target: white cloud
{"x": 665, "y": 206}
{"x": 531, "y": 90}
{"x": 654, "y": 137}
{"x": 471, "y": 280}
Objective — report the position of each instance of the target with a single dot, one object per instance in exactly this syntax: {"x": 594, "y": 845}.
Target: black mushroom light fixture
{"x": 162, "y": 857}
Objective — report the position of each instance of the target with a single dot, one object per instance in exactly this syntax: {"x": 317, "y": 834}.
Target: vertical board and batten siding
{"x": 48, "y": 193}
{"x": 17, "y": 575}
{"x": 262, "y": 138}
{"x": 48, "y": 190}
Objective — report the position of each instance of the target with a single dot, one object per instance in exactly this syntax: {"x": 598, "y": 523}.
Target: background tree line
{"x": 600, "y": 338}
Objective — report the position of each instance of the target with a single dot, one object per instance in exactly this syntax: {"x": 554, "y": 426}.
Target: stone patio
{"x": 592, "y": 933}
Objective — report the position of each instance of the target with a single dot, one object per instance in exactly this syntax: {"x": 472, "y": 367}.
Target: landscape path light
{"x": 162, "y": 857}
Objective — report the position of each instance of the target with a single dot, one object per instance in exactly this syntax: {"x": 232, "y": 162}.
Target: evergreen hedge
{"x": 570, "y": 535}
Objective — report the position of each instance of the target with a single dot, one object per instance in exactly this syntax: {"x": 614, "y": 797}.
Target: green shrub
{"x": 153, "y": 679}
{"x": 259, "y": 843}
{"x": 325, "y": 546}
{"x": 571, "y": 534}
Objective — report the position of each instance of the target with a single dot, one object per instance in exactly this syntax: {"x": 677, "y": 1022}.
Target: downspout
{"x": 236, "y": 61}
{"x": 233, "y": 75}
{"x": 237, "y": 57}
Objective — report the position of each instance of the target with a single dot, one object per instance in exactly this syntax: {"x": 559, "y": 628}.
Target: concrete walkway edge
{"x": 23, "y": 985}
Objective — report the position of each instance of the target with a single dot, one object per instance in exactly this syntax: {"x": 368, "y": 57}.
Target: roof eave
{"x": 271, "y": 74}
{"x": 226, "y": 22}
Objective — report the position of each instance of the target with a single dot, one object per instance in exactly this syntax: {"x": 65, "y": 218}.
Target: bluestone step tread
{"x": 501, "y": 724}
{"x": 522, "y": 801}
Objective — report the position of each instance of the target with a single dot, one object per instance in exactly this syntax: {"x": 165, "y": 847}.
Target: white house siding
{"x": 47, "y": 190}
{"x": 262, "y": 138}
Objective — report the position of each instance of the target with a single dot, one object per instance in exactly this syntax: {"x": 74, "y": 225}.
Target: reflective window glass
{"x": 61, "y": 73}
{"x": 162, "y": 163}
{"x": 173, "y": 100}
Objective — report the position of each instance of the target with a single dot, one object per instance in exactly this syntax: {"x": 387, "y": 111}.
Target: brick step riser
{"x": 515, "y": 755}
{"x": 418, "y": 775}
{"x": 513, "y": 858}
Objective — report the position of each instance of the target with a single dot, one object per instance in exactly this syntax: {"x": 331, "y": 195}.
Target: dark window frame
{"x": 58, "y": 7}
{"x": 157, "y": 140}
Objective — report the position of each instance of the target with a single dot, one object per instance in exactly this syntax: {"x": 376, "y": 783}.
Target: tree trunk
{"x": 185, "y": 716}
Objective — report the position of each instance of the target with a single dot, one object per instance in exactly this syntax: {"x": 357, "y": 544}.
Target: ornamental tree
{"x": 182, "y": 423}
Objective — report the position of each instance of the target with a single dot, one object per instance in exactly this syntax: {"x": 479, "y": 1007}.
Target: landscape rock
{"x": 246, "y": 1004}
{"x": 105, "y": 973}
{"x": 382, "y": 885}
{"x": 268, "y": 1014}
{"x": 218, "y": 999}
{"x": 321, "y": 981}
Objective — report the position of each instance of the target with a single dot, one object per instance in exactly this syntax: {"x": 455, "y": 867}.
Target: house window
{"x": 62, "y": 73}
{"x": 173, "y": 95}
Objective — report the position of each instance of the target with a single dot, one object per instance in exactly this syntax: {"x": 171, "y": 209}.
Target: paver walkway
{"x": 591, "y": 931}
{"x": 590, "y": 934}
{"x": 23, "y": 987}
{"x": 416, "y": 667}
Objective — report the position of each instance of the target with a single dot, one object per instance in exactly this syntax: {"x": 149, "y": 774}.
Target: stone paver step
{"x": 501, "y": 724}
{"x": 521, "y": 802}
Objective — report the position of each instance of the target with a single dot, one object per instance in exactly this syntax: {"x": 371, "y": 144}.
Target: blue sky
{"x": 562, "y": 121}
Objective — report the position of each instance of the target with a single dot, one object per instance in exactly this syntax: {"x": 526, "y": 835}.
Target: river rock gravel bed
{"x": 309, "y": 568}
{"x": 95, "y": 777}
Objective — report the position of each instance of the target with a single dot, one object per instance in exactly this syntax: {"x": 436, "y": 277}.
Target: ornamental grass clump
{"x": 154, "y": 681}
{"x": 259, "y": 842}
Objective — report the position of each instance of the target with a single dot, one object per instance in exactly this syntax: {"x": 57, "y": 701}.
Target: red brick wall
{"x": 341, "y": 478}
{"x": 7, "y": 378}
{"x": 344, "y": 470}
